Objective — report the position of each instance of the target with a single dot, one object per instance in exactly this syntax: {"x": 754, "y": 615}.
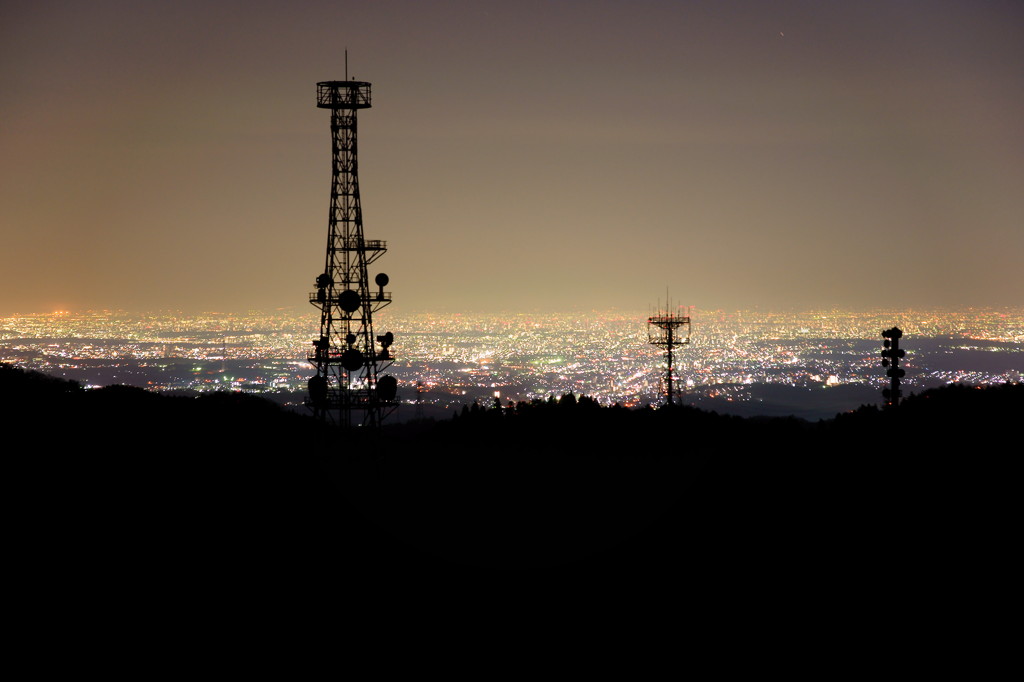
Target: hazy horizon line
{"x": 297, "y": 309}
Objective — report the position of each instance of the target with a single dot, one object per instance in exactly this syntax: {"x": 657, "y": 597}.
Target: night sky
{"x": 518, "y": 156}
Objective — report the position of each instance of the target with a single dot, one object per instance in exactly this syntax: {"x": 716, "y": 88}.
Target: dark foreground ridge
{"x": 120, "y": 489}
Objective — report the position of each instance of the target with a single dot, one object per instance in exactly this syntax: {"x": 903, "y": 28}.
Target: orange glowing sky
{"x": 518, "y": 156}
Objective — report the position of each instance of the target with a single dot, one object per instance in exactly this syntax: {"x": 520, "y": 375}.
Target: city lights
{"x": 459, "y": 359}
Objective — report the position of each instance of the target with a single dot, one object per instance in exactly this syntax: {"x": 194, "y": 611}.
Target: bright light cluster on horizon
{"x": 454, "y": 359}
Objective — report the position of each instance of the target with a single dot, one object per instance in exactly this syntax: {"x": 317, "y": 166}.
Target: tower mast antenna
{"x": 348, "y": 388}
{"x": 669, "y": 330}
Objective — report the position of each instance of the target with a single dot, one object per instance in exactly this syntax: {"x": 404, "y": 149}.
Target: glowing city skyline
{"x": 739, "y": 357}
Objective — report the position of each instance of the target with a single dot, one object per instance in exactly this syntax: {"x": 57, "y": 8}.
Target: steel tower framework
{"x": 348, "y": 387}
{"x": 666, "y": 329}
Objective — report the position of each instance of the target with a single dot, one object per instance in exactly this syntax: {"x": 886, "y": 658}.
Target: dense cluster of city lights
{"x": 460, "y": 358}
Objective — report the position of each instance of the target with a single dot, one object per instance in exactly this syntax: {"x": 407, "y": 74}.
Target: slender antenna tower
{"x": 668, "y": 330}
{"x": 891, "y": 355}
{"x": 348, "y": 388}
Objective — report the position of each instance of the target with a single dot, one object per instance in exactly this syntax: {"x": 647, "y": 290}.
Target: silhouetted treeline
{"x": 231, "y": 480}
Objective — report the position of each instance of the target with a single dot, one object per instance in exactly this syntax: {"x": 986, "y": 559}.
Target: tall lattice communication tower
{"x": 669, "y": 330}
{"x": 348, "y": 387}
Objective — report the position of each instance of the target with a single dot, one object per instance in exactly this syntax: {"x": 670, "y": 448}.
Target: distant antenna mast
{"x": 668, "y": 330}
{"x": 348, "y": 388}
{"x": 891, "y": 355}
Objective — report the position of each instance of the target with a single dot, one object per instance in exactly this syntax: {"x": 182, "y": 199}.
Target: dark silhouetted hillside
{"x": 229, "y": 487}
